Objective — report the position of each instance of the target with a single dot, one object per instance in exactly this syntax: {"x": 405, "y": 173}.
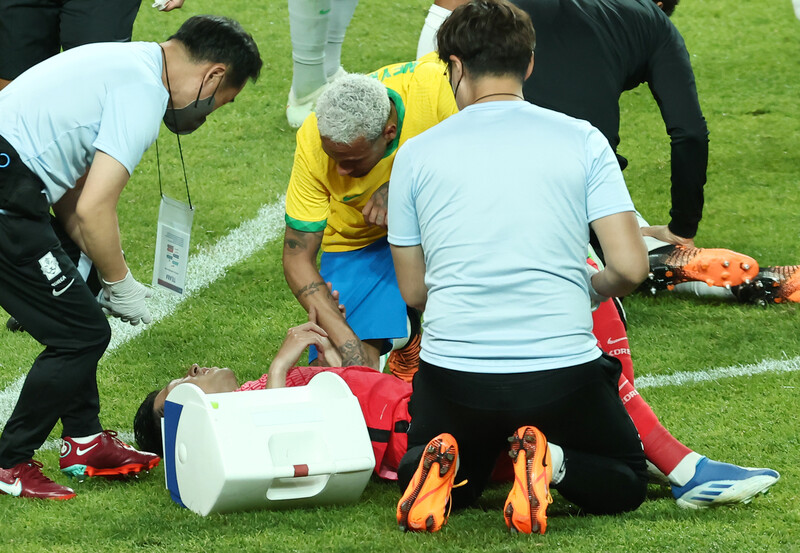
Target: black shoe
{"x": 13, "y": 325}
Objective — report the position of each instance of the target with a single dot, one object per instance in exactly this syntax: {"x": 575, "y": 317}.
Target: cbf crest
{"x": 49, "y": 266}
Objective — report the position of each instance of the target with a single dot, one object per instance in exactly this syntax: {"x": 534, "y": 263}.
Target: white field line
{"x": 205, "y": 266}
{"x": 686, "y": 378}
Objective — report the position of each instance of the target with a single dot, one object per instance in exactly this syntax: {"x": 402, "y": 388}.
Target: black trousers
{"x": 33, "y": 30}
{"x": 577, "y": 408}
{"x": 41, "y": 288}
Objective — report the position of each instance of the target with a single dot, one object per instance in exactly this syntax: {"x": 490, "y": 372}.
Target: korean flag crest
{"x": 49, "y": 266}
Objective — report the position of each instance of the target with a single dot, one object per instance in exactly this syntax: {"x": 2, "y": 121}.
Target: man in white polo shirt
{"x": 72, "y": 129}
{"x": 489, "y": 215}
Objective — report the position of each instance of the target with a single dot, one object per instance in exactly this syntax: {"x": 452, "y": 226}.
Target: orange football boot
{"x": 526, "y": 506}
{"x": 672, "y": 265}
{"x": 424, "y": 505}
{"x": 404, "y": 362}
{"x": 772, "y": 285}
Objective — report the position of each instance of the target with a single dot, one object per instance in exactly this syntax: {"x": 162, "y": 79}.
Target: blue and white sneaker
{"x": 716, "y": 483}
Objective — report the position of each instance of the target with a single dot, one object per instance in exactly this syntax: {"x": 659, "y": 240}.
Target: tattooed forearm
{"x": 353, "y": 353}
{"x": 382, "y": 193}
{"x": 299, "y": 242}
{"x": 313, "y": 288}
{"x": 293, "y": 243}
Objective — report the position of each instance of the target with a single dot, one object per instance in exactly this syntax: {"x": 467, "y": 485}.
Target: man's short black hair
{"x": 668, "y": 6}
{"x": 490, "y": 37}
{"x": 147, "y": 426}
{"x": 221, "y": 40}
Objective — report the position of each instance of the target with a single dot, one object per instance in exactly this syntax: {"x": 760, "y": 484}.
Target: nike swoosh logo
{"x": 57, "y": 293}
{"x": 323, "y": 12}
{"x": 610, "y": 341}
{"x": 11, "y": 489}
{"x": 348, "y": 198}
{"x": 80, "y": 451}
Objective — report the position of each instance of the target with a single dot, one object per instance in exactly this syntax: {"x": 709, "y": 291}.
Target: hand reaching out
{"x": 167, "y": 5}
{"x": 327, "y": 353}
{"x": 375, "y": 210}
{"x": 662, "y": 232}
{"x": 335, "y": 296}
{"x": 125, "y": 299}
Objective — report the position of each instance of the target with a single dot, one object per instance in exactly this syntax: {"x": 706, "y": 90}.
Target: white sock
{"x": 427, "y": 37}
{"x": 84, "y": 439}
{"x": 308, "y": 26}
{"x": 653, "y": 243}
{"x": 684, "y": 471}
{"x": 340, "y": 16}
{"x": 702, "y": 289}
{"x": 400, "y": 343}
{"x": 557, "y": 460}
{"x": 655, "y": 475}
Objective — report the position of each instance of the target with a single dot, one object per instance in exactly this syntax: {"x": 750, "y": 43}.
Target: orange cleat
{"x": 424, "y": 505}
{"x": 404, "y": 362}
{"x": 772, "y": 285}
{"x": 672, "y": 265}
{"x": 526, "y": 506}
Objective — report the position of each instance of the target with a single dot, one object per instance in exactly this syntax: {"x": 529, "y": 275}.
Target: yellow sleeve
{"x": 430, "y": 69}
{"x": 307, "y": 198}
{"x": 447, "y": 102}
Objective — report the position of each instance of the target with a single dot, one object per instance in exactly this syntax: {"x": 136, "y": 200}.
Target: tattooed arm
{"x": 300, "y": 269}
{"x": 352, "y": 352}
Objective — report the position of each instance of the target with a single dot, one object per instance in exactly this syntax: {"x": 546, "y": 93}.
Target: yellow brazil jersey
{"x": 319, "y": 198}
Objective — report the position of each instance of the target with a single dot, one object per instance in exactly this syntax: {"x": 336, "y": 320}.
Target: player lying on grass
{"x": 695, "y": 480}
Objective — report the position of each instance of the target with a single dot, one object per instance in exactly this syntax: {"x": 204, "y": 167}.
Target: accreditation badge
{"x": 172, "y": 245}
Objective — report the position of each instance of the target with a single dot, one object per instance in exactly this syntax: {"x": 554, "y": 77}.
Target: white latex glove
{"x": 125, "y": 299}
{"x": 594, "y": 296}
{"x": 167, "y": 5}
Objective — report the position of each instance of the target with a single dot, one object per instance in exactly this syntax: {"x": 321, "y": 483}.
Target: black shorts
{"x": 33, "y": 30}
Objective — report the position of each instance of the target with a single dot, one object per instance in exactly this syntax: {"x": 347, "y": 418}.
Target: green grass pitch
{"x": 745, "y": 56}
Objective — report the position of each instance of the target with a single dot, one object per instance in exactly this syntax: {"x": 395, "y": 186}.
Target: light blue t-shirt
{"x": 106, "y": 96}
{"x": 500, "y": 196}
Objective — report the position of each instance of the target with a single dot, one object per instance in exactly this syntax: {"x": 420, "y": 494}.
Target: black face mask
{"x": 189, "y": 118}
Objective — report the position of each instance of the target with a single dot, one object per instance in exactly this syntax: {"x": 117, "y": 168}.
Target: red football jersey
{"x": 384, "y": 402}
